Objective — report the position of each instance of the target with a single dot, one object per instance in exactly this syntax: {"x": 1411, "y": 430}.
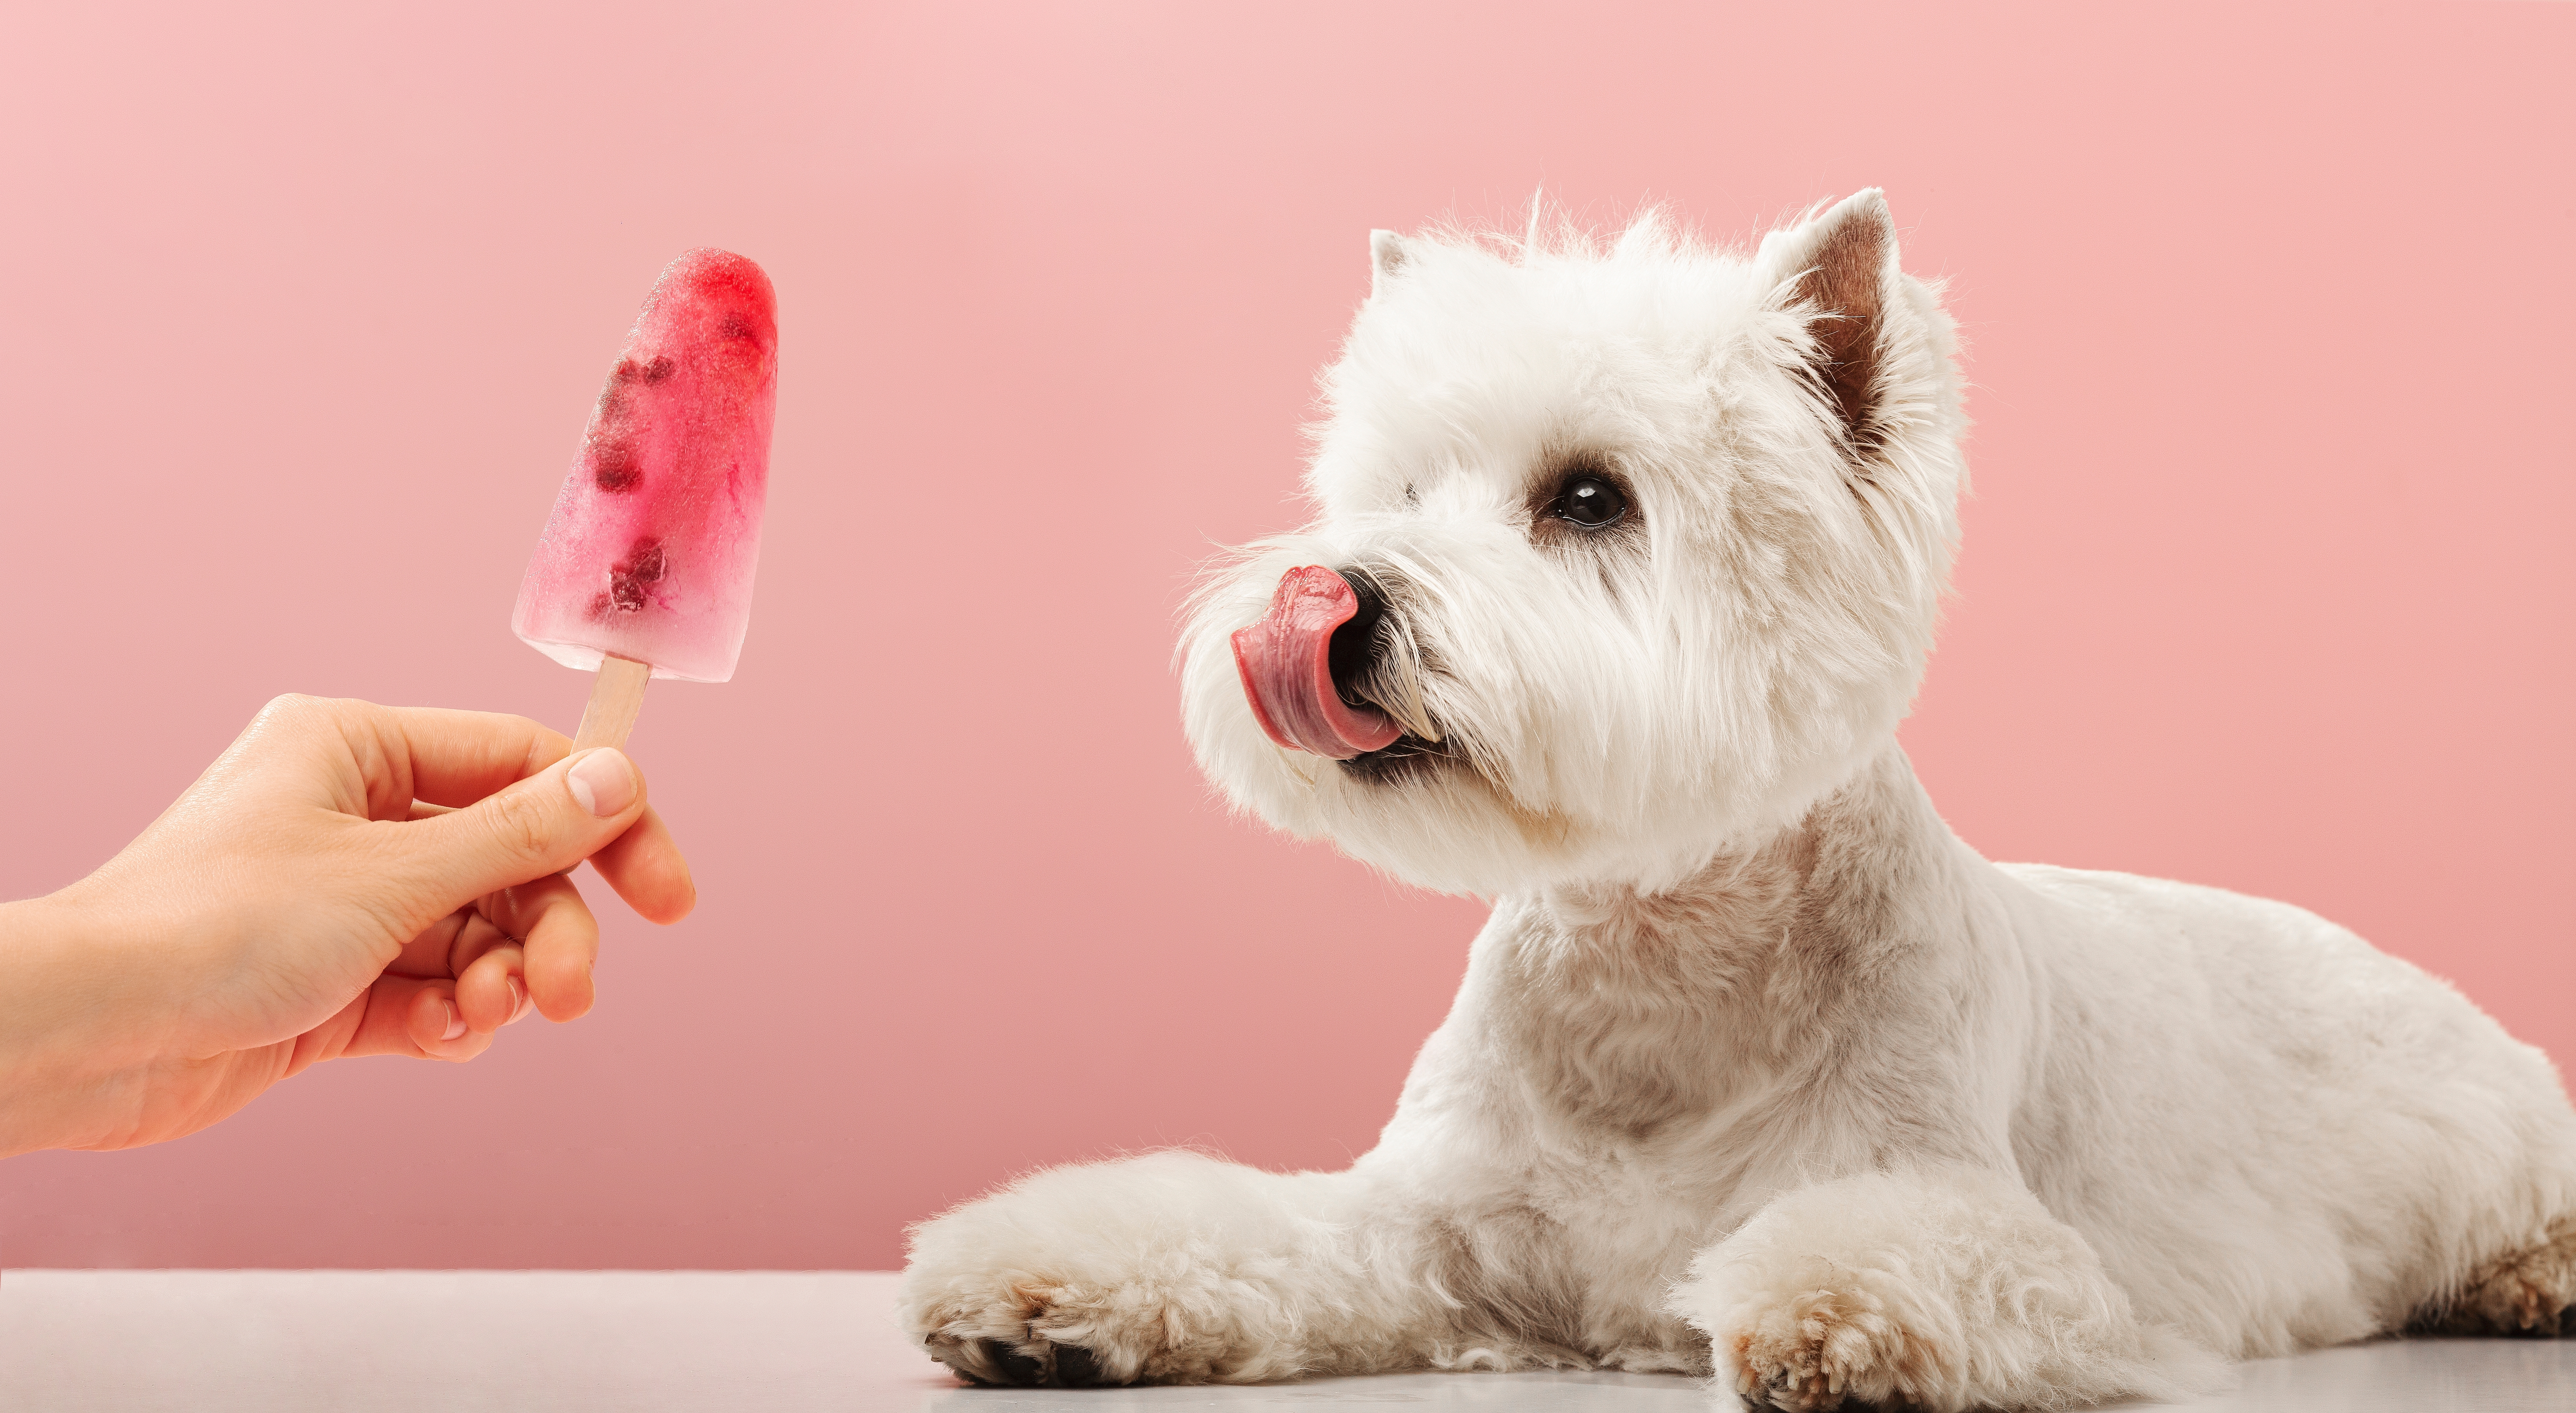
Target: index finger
{"x": 442, "y": 756}
{"x": 646, "y": 868}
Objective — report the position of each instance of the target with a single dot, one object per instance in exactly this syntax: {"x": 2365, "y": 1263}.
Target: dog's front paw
{"x": 1944, "y": 1290}
{"x": 1024, "y": 1332}
{"x": 1171, "y": 1268}
{"x": 1817, "y": 1349}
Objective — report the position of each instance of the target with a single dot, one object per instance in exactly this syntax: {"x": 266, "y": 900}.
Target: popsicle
{"x": 645, "y": 566}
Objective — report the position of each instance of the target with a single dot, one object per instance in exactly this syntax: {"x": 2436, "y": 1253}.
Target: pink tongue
{"x": 1287, "y": 669}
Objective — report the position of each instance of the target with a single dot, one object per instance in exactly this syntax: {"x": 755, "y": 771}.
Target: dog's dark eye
{"x": 1591, "y": 502}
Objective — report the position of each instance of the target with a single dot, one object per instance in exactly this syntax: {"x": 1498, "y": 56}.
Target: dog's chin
{"x": 1410, "y": 760}
{"x": 1423, "y": 812}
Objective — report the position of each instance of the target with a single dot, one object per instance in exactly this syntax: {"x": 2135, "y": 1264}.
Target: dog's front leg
{"x": 1170, "y": 1268}
{"x": 1944, "y": 1289}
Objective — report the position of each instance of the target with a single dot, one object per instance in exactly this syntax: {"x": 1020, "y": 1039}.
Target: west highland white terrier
{"x": 1627, "y": 564}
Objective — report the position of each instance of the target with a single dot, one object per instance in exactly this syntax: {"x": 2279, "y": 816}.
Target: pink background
{"x": 2267, "y": 583}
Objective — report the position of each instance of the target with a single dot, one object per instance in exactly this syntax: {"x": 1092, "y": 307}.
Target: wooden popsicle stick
{"x": 616, "y": 698}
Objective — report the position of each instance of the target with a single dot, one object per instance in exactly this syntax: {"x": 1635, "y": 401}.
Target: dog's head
{"x": 1626, "y": 555}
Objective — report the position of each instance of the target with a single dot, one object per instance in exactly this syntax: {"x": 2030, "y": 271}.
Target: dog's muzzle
{"x": 1286, "y": 661}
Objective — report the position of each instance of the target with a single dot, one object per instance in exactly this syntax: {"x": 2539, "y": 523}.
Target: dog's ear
{"x": 1840, "y": 270}
{"x": 1387, "y": 254}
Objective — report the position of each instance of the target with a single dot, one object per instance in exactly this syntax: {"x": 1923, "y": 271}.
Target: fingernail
{"x": 455, "y": 1020}
{"x": 602, "y": 782}
{"x": 518, "y": 1000}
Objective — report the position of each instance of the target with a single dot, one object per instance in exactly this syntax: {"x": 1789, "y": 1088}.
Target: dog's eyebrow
{"x": 1555, "y": 465}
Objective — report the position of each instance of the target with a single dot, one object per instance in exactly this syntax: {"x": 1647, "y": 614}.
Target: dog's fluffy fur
{"x": 1757, "y": 1070}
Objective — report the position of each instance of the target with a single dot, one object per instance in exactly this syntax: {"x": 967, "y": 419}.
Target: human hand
{"x": 347, "y": 879}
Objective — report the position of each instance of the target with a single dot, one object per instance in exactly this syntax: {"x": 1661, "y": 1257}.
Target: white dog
{"x": 1627, "y": 565}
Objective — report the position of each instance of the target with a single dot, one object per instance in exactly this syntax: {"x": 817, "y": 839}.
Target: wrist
{"x": 79, "y": 1005}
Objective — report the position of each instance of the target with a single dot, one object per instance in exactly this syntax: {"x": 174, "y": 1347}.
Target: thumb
{"x": 544, "y": 824}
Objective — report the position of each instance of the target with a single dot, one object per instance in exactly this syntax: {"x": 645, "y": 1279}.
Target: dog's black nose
{"x": 1353, "y": 652}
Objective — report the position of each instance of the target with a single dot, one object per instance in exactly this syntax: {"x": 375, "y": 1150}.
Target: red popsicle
{"x": 645, "y": 567}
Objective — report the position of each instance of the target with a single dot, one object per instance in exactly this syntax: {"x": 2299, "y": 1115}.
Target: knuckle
{"x": 544, "y": 746}
{"x": 301, "y": 715}
{"x": 290, "y": 706}
{"x": 521, "y": 825}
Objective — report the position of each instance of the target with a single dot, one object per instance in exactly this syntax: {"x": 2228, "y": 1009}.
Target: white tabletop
{"x": 371, "y": 1341}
